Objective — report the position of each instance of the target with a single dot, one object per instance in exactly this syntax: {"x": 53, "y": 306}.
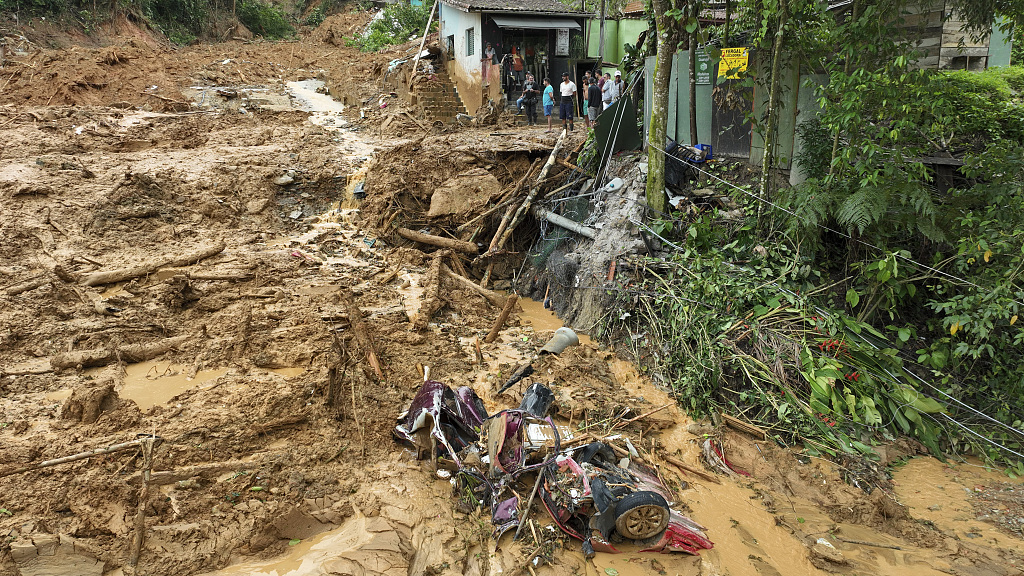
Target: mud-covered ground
{"x": 235, "y": 346}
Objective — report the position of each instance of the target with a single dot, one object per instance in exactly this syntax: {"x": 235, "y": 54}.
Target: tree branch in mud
{"x": 504, "y": 232}
{"x": 76, "y": 457}
{"x": 126, "y": 353}
{"x": 336, "y": 371}
{"x": 30, "y": 284}
{"x": 432, "y": 301}
{"x": 495, "y": 298}
{"x": 139, "y": 537}
{"x": 687, "y": 468}
{"x": 112, "y": 276}
{"x": 361, "y": 332}
{"x": 509, "y": 305}
{"x": 172, "y": 476}
{"x": 450, "y": 243}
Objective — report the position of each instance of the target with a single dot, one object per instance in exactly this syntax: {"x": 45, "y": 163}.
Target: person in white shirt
{"x": 617, "y": 87}
{"x": 606, "y": 91}
{"x": 567, "y": 104}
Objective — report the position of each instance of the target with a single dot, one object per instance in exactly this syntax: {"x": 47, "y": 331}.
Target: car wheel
{"x": 641, "y": 515}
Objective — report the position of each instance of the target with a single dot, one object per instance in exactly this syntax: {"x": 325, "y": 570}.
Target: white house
{"x": 543, "y": 35}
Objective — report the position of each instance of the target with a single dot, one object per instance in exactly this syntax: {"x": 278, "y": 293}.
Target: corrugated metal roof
{"x": 539, "y": 6}
{"x": 536, "y": 23}
{"x": 711, "y": 11}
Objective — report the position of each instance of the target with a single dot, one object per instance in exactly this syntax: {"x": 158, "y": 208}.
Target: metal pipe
{"x": 564, "y": 222}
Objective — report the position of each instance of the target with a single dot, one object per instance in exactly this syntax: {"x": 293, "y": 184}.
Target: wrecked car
{"x": 597, "y": 498}
{"x": 591, "y": 495}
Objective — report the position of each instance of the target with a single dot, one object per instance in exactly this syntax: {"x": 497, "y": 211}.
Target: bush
{"x": 317, "y": 15}
{"x": 398, "y": 23}
{"x": 264, "y": 19}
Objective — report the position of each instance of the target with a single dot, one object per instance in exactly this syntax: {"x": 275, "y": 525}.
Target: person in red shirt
{"x": 517, "y": 66}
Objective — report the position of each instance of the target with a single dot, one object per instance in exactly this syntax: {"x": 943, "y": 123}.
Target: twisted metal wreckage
{"x": 591, "y": 494}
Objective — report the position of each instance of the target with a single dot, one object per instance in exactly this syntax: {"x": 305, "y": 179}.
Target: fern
{"x": 862, "y": 209}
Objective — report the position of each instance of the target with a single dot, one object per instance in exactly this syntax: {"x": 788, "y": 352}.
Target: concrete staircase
{"x": 439, "y": 99}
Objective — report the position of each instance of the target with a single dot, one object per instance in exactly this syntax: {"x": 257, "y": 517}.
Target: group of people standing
{"x": 598, "y": 94}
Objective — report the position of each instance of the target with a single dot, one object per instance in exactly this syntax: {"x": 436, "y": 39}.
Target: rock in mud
{"x": 51, "y": 555}
{"x": 86, "y": 403}
{"x": 284, "y": 180}
{"x": 823, "y": 554}
{"x": 463, "y": 193}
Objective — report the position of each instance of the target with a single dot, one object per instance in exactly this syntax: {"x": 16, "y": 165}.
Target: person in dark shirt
{"x": 593, "y": 100}
{"x": 530, "y": 94}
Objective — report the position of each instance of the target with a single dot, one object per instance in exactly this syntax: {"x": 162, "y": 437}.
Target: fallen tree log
{"x": 361, "y": 332}
{"x": 119, "y": 275}
{"x": 30, "y": 284}
{"x": 126, "y": 353}
{"x": 509, "y": 305}
{"x": 432, "y": 301}
{"x": 450, "y": 243}
{"x": 495, "y": 298}
{"x": 278, "y": 423}
{"x": 525, "y": 206}
{"x": 510, "y": 221}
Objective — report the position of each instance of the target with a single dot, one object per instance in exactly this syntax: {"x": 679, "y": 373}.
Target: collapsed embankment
{"x": 253, "y": 289}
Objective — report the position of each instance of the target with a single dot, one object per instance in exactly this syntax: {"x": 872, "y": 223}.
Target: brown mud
{"x": 276, "y": 453}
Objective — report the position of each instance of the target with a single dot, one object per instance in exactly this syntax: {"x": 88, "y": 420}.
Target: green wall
{"x": 616, "y": 34}
{"x": 999, "y": 47}
{"x": 679, "y": 102}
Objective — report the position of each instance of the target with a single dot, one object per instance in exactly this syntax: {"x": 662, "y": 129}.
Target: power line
{"x": 839, "y": 232}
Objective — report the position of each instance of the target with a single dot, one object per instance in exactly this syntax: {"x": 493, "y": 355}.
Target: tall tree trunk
{"x": 668, "y": 41}
{"x": 728, "y": 20}
{"x": 770, "y": 132}
{"x": 600, "y": 43}
{"x": 846, "y": 70}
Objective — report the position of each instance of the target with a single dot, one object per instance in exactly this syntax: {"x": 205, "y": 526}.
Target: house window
{"x": 470, "y": 41}
{"x": 451, "y": 46}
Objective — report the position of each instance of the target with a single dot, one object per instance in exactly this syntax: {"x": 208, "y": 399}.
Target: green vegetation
{"x": 881, "y": 297}
{"x": 182, "y": 21}
{"x": 264, "y": 19}
{"x": 399, "y": 22}
{"x": 317, "y": 15}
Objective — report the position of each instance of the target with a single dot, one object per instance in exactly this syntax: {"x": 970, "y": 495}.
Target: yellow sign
{"x": 734, "y": 62}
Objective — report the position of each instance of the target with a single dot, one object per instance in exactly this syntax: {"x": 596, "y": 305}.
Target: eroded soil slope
{"x": 235, "y": 344}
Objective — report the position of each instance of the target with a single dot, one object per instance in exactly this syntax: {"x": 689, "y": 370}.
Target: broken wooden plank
{"x": 122, "y": 274}
{"x": 450, "y": 243}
